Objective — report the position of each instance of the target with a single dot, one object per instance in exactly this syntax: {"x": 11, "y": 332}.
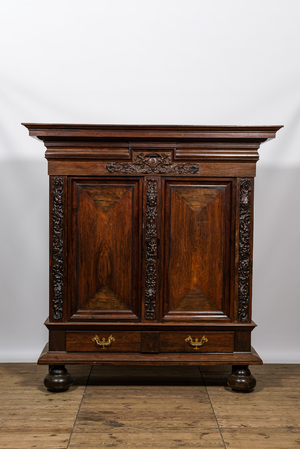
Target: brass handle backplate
{"x": 196, "y": 344}
{"x": 103, "y": 343}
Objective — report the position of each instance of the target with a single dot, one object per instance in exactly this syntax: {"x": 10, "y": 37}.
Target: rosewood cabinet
{"x": 151, "y": 233}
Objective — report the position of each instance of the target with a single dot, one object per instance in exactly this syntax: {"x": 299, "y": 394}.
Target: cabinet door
{"x": 104, "y": 249}
{"x": 198, "y": 231}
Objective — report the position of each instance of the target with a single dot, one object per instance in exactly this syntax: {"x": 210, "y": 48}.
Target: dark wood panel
{"x": 217, "y": 152}
{"x": 104, "y": 315}
{"x": 212, "y": 342}
{"x": 153, "y": 327}
{"x": 68, "y": 149}
{"x": 242, "y": 341}
{"x": 105, "y": 242}
{"x": 120, "y": 341}
{"x": 57, "y": 340}
{"x": 198, "y": 231}
{"x": 150, "y": 342}
{"x": 92, "y": 168}
{"x": 45, "y": 131}
{"x": 171, "y": 359}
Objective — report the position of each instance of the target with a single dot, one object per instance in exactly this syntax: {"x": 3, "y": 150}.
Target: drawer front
{"x": 103, "y": 341}
{"x": 197, "y": 342}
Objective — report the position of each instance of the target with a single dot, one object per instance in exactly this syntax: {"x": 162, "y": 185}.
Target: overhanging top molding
{"x": 48, "y": 132}
{"x": 96, "y": 143}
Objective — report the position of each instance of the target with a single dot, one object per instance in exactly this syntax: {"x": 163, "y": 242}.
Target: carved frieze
{"x": 151, "y": 249}
{"x": 158, "y": 163}
{"x": 57, "y": 247}
{"x": 244, "y": 250}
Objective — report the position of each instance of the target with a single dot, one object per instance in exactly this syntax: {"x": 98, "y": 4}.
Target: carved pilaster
{"x": 151, "y": 249}
{"x": 158, "y": 163}
{"x": 244, "y": 250}
{"x": 57, "y": 247}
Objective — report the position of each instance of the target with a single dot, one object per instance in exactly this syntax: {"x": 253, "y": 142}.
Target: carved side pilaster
{"x": 244, "y": 250}
{"x": 57, "y": 247}
{"x": 151, "y": 249}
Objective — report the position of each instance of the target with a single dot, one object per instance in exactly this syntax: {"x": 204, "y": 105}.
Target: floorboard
{"x": 149, "y": 407}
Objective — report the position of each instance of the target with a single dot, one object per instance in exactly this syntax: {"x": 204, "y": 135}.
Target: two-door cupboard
{"x": 151, "y": 231}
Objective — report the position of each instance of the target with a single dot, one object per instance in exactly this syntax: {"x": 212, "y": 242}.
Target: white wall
{"x": 149, "y": 62}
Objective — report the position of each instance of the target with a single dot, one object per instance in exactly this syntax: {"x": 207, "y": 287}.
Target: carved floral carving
{"x": 151, "y": 249}
{"x": 244, "y": 250}
{"x": 158, "y": 163}
{"x": 57, "y": 247}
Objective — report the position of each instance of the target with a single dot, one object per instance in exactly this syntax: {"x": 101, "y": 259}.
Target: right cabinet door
{"x": 199, "y": 230}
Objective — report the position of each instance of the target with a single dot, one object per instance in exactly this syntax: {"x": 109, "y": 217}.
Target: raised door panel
{"x": 198, "y": 217}
{"x": 104, "y": 257}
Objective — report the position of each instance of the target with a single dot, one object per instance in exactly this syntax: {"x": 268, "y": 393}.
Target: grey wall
{"x": 152, "y": 62}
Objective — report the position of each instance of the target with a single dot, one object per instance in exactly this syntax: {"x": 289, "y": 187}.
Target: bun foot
{"x": 58, "y": 379}
{"x": 241, "y": 379}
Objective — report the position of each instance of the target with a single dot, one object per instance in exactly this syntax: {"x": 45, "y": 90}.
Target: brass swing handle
{"x": 102, "y": 342}
{"x": 196, "y": 344}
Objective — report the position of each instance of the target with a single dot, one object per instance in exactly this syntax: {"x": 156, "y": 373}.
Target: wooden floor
{"x": 153, "y": 407}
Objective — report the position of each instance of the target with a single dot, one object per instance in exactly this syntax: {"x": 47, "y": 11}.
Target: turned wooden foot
{"x": 58, "y": 379}
{"x": 241, "y": 379}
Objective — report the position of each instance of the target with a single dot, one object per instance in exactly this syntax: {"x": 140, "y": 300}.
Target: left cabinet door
{"x": 104, "y": 249}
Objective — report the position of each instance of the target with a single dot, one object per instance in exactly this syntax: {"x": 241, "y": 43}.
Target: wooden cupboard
{"x": 151, "y": 231}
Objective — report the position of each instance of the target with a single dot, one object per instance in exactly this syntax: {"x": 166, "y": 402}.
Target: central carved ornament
{"x": 159, "y": 163}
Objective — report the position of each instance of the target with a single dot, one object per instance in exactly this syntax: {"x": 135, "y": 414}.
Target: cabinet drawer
{"x": 197, "y": 342}
{"x": 103, "y": 341}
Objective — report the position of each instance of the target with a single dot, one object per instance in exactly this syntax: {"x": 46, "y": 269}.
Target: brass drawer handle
{"x": 102, "y": 342}
{"x": 196, "y": 344}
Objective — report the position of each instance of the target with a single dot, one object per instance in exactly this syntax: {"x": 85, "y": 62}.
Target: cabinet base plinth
{"x": 58, "y": 379}
{"x": 241, "y": 379}
{"x": 164, "y": 359}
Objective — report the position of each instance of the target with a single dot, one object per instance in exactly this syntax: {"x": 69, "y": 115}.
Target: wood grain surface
{"x": 149, "y": 407}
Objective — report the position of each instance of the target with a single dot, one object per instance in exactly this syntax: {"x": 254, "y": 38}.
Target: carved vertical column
{"x": 151, "y": 248}
{"x": 245, "y": 263}
{"x": 57, "y": 254}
